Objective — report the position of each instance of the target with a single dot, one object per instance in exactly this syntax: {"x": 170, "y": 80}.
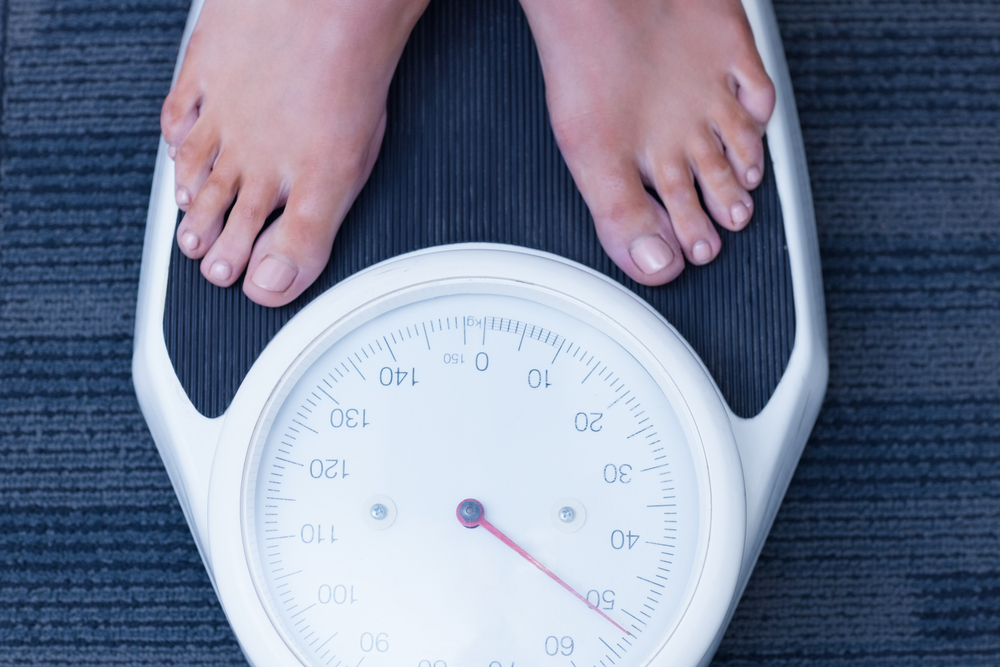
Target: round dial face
{"x": 488, "y": 479}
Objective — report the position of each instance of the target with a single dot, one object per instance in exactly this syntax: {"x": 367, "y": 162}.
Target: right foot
{"x": 656, "y": 94}
{"x": 279, "y": 103}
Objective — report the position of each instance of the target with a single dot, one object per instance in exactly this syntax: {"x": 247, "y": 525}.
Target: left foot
{"x": 657, "y": 94}
{"x": 279, "y": 103}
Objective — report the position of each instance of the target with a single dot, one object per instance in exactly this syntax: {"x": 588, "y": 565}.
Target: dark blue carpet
{"x": 887, "y": 549}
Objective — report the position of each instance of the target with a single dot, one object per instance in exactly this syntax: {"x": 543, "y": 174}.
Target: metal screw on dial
{"x": 379, "y": 511}
{"x": 470, "y": 511}
{"x": 567, "y": 514}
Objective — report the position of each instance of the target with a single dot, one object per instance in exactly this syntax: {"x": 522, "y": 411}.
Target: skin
{"x": 282, "y": 103}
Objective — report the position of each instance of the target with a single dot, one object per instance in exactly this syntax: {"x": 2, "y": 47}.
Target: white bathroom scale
{"x": 474, "y": 442}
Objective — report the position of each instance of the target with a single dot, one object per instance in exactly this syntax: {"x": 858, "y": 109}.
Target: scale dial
{"x": 481, "y": 470}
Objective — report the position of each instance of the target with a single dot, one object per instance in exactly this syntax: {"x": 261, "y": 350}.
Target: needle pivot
{"x": 472, "y": 514}
{"x": 469, "y": 512}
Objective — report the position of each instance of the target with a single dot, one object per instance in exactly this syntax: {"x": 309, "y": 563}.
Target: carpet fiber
{"x": 887, "y": 548}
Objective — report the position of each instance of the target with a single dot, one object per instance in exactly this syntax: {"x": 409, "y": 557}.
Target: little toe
{"x": 181, "y": 109}
{"x": 754, "y": 88}
{"x": 223, "y": 264}
{"x": 692, "y": 227}
{"x": 291, "y": 253}
{"x": 179, "y": 113}
{"x": 202, "y": 224}
{"x": 749, "y": 81}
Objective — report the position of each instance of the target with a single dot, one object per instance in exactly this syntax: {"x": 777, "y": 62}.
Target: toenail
{"x": 183, "y": 197}
{"x": 221, "y": 271}
{"x": 740, "y": 213}
{"x": 189, "y": 240}
{"x": 274, "y": 275}
{"x": 753, "y": 176}
{"x": 172, "y": 152}
{"x": 651, "y": 254}
{"x": 701, "y": 252}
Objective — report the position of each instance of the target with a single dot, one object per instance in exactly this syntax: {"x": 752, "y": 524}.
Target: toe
{"x": 633, "y": 228}
{"x": 179, "y": 114}
{"x": 225, "y": 261}
{"x": 727, "y": 200}
{"x": 754, "y": 89}
{"x": 203, "y": 221}
{"x": 193, "y": 163}
{"x": 750, "y": 82}
{"x": 741, "y": 143}
{"x": 674, "y": 182}
{"x": 292, "y": 252}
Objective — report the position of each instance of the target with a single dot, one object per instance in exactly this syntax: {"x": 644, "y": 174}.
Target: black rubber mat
{"x": 469, "y": 156}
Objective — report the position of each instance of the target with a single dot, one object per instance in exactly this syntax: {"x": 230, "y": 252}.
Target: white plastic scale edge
{"x": 769, "y": 445}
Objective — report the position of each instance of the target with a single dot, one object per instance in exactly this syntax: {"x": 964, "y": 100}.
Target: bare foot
{"x": 279, "y": 103}
{"x": 659, "y": 94}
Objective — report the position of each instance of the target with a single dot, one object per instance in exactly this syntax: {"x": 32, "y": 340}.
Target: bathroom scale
{"x": 474, "y": 441}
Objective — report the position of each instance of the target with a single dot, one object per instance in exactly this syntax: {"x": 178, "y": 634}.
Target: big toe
{"x": 634, "y": 229}
{"x": 290, "y": 254}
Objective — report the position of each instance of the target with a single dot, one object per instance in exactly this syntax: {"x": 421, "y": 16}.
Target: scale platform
{"x": 468, "y": 157}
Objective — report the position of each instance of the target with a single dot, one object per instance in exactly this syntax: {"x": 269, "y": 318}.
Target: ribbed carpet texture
{"x": 887, "y": 548}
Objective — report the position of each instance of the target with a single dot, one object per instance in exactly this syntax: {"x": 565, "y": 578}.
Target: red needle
{"x": 471, "y": 514}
